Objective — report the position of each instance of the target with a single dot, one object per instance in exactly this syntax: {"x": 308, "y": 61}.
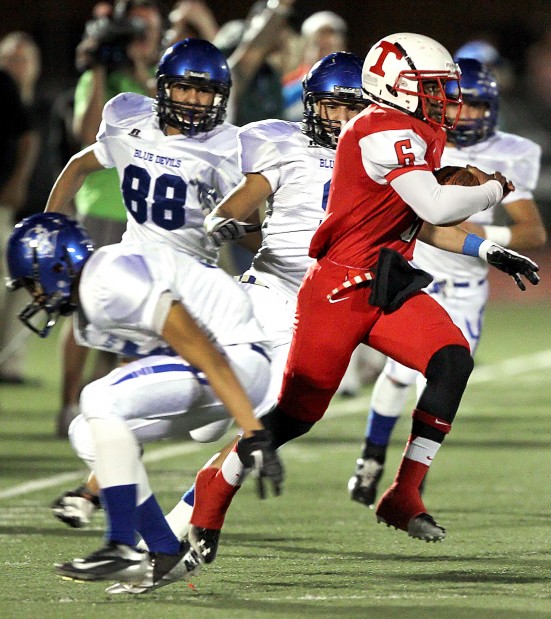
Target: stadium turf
{"x": 312, "y": 552}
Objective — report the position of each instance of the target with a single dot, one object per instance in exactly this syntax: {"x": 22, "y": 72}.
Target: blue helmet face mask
{"x": 478, "y": 88}
{"x": 45, "y": 254}
{"x": 336, "y": 79}
{"x": 197, "y": 64}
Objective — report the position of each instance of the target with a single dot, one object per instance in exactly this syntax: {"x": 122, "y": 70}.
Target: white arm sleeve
{"x": 441, "y": 204}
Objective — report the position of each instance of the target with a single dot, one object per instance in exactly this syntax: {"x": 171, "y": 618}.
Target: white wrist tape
{"x": 484, "y": 248}
{"x": 498, "y": 234}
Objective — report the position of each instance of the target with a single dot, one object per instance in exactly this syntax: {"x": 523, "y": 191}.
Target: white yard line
{"x": 488, "y": 373}
{"x": 57, "y": 480}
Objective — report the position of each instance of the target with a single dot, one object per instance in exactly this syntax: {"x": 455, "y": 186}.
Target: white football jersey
{"x": 299, "y": 174}
{"x": 126, "y": 291}
{"x": 159, "y": 173}
{"x": 518, "y": 159}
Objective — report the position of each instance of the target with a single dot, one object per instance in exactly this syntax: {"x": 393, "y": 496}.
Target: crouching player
{"x": 196, "y": 342}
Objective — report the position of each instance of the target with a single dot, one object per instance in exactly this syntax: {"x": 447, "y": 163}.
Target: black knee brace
{"x": 447, "y": 374}
{"x": 282, "y": 427}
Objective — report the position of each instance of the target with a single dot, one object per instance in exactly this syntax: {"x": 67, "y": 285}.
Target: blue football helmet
{"x": 337, "y": 77}
{"x": 45, "y": 254}
{"x": 200, "y": 64}
{"x": 478, "y": 87}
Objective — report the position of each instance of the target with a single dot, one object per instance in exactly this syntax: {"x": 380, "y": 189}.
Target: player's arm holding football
{"x": 70, "y": 180}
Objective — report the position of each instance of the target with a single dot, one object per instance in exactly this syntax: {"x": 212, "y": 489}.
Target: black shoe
{"x": 163, "y": 569}
{"x": 204, "y": 542}
{"x": 113, "y": 562}
{"x": 76, "y": 507}
{"x": 363, "y": 485}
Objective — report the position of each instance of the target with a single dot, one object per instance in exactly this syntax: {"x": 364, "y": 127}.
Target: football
{"x": 455, "y": 175}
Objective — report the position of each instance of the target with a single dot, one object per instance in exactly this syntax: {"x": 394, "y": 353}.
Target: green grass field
{"x": 312, "y": 552}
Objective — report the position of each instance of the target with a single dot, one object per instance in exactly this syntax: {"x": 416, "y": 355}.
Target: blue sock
{"x": 379, "y": 428}
{"x": 153, "y": 527}
{"x": 189, "y": 496}
{"x": 120, "y": 505}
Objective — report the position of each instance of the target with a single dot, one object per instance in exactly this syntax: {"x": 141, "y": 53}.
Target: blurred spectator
{"x": 249, "y": 44}
{"x": 19, "y": 143}
{"x": 256, "y": 94}
{"x": 191, "y": 18}
{"x": 322, "y": 33}
{"x": 20, "y": 57}
{"x": 119, "y": 53}
{"x": 528, "y": 113}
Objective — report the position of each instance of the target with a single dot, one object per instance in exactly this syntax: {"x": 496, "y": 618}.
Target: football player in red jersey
{"x": 361, "y": 287}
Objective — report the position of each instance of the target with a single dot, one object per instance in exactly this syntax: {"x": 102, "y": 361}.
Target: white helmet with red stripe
{"x": 409, "y": 72}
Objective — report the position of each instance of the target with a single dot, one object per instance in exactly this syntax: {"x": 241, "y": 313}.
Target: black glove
{"x": 257, "y": 454}
{"x": 513, "y": 264}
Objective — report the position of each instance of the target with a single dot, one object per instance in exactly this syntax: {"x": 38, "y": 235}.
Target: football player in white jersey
{"x": 174, "y": 154}
{"x": 460, "y": 282}
{"x": 168, "y": 151}
{"x": 191, "y": 362}
{"x": 289, "y": 165}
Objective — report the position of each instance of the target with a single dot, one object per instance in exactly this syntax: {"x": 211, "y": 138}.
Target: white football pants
{"x": 164, "y": 397}
{"x": 465, "y": 304}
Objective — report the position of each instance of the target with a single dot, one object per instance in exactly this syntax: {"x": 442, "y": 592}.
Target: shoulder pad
{"x": 124, "y": 109}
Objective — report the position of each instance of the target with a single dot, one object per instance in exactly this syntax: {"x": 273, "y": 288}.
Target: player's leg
{"x": 114, "y": 450}
{"x": 179, "y": 517}
{"x": 326, "y": 333}
{"x": 440, "y": 351}
{"x": 274, "y": 311}
{"x": 388, "y": 400}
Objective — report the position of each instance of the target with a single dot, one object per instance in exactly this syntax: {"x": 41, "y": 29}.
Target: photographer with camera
{"x": 119, "y": 52}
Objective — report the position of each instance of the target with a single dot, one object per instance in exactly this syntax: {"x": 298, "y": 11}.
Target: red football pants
{"x": 326, "y": 332}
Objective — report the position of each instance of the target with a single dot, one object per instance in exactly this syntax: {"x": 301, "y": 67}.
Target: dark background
{"x": 57, "y": 25}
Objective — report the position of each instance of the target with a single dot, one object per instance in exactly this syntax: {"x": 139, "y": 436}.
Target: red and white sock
{"x": 214, "y": 491}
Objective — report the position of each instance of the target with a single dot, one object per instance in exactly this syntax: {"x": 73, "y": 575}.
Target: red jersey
{"x": 364, "y": 213}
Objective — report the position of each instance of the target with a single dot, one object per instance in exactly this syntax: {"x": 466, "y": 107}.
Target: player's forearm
{"x": 71, "y": 180}
{"x": 183, "y": 334}
{"x": 231, "y": 394}
{"x": 243, "y": 201}
{"x": 450, "y": 238}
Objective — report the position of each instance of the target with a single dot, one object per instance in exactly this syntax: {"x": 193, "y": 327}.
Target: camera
{"x": 111, "y": 36}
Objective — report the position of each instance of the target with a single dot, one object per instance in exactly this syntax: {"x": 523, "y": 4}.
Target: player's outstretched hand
{"x": 513, "y": 264}
{"x": 257, "y": 454}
